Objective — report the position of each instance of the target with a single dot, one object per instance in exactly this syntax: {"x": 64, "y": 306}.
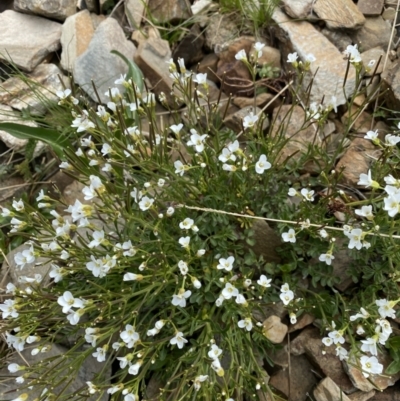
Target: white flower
{"x": 146, "y": 203}
{"x": 262, "y": 164}
{"x": 98, "y": 238}
{"x": 341, "y": 352}
{"x": 353, "y": 54}
{"x": 367, "y": 181}
{"x": 323, "y": 233}
{"x": 9, "y": 309}
{"x": 180, "y": 168}
{"x": 310, "y": 58}
{"x": 215, "y": 352}
{"x": 286, "y": 297}
{"x": 229, "y": 291}
{"x": 292, "y": 192}
{"x": 200, "y": 253}
{"x": 186, "y": 224}
{"x": 250, "y": 120}
{"x": 369, "y": 345}
{"x": 160, "y": 182}
{"x": 390, "y": 180}
{"x": 198, "y": 380}
{"x": 293, "y": 318}
{"x": 392, "y": 204}
{"x": 180, "y": 298}
{"x": 308, "y": 195}
{"x": 67, "y": 301}
{"x": 18, "y": 205}
{"x": 241, "y": 55}
{"x": 24, "y": 257}
{"x": 200, "y": 79}
{"x": 370, "y": 365}
{"x": 134, "y": 369}
{"x": 130, "y": 397}
{"x": 391, "y": 140}
{"x": 184, "y": 241}
{"x": 197, "y": 141}
{"x": 258, "y": 48}
{"x": 365, "y": 211}
{"x": 132, "y": 277}
{"x": 245, "y": 323}
{"x": 327, "y": 341}
{"x": 136, "y": 195}
{"x": 264, "y": 281}
{"x": 372, "y": 135}
{"x": 336, "y": 336}
{"x": 386, "y": 308}
{"x": 14, "y": 367}
{"x": 363, "y": 315}
{"x": 292, "y": 57}
{"x": 100, "y": 354}
{"x": 327, "y": 258}
{"x": 176, "y": 129}
{"x": 183, "y": 267}
{"x": 290, "y": 236}
{"x": 226, "y": 264}
{"x": 130, "y": 336}
{"x": 355, "y": 236}
{"x": 178, "y": 340}
{"x": 170, "y": 211}
{"x": 228, "y": 167}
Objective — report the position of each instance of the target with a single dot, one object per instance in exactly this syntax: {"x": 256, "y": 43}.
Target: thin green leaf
{"x": 48, "y": 136}
{"x": 134, "y": 71}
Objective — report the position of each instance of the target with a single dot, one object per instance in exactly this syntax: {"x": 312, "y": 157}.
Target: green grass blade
{"x": 48, "y": 136}
{"x": 134, "y": 71}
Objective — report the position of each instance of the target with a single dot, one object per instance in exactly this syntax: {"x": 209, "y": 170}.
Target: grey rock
{"x": 190, "y": 47}
{"x": 77, "y": 32}
{"x": 55, "y": 9}
{"x": 371, "y": 8}
{"x": 377, "y": 53}
{"x": 98, "y": 64}
{"x": 362, "y": 396}
{"x": 298, "y": 8}
{"x": 7, "y": 114}
{"x": 27, "y": 40}
{"x": 329, "y": 69}
{"x": 391, "y": 85}
{"x": 151, "y": 57}
{"x": 221, "y": 29}
{"x": 44, "y": 83}
{"x": 169, "y": 11}
{"x": 340, "y": 38}
{"x": 274, "y": 329}
{"x": 328, "y": 390}
{"x": 375, "y": 33}
{"x": 235, "y": 120}
{"x": 87, "y": 372}
{"x": 134, "y": 10}
{"x": 339, "y": 14}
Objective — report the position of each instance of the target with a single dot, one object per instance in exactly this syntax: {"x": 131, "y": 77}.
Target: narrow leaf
{"x": 134, "y": 71}
{"x": 52, "y": 138}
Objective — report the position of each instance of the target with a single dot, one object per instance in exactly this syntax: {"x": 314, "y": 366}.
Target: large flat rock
{"x": 98, "y": 64}
{"x": 329, "y": 68}
{"x": 56, "y": 9}
{"x": 27, "y": 39}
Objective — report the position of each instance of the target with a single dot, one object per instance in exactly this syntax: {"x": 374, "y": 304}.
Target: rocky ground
{"x": 53, "y": 39}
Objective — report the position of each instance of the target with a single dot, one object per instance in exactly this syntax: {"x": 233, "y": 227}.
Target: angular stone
{"x": 209, "y": 66}
{"x": 309, "y": 341}
{"x": 304, "y": 39}
{"x": 356, "y": 160}
{"x": 353, "y": 369}
{"x": 270, "y": 55}
{"x": 190, "y": 48}
{"x": 89, "y": 369}
{"x": 361, "y": 120}
{"x": 134, "y": 10}
{"x": 327, "y": 390}
{"x": 27, "y": 40}
{"x": 235, "y": 78}
{"x": 151, "y": 57}
{"x": 391, "y": 85}
{"x": 390, "y": 394}
{"x": 274, "y": 329}
{"x": 339, "y": 14}
{"x": 169, "y": 11}
{"x": 298, "y": 8}
{"x": 341, "y": 39}
{"x": 54, "y": 9}
{"x": 77, "y": 32}
{"x": 341, "y": 265}
{"x": 98, "y": 64}
{"x": 371, "y": 8}
{"x": 302, "y": 380}
{"x": 260, "y": 101}
{"x": 287, "y": 122}
{"x": 11, "y": 272}
{"x": 7, "y": 114}
{"x": 304, "y": 320}
{"x": 200, "y": 5}
{"x": 45, "y": 82}
{"x": 375, "y": 33}
{"x": 280, "y": 357}
{"x": 221, "y": 29}
{"x": 362, "y": 396}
